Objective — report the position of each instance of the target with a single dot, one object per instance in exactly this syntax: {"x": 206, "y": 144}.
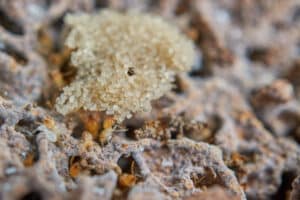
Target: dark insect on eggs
{"x": 130, "y": 71}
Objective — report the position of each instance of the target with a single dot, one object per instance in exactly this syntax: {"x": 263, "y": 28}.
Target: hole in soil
{"x": 178, "y": 85}
{"x": 59, "y": 23}
{"x": 162, "y": 102}
{"x": 101, "y": 3}
{"x": 78, "y": 130}
{"x": 68, "y": 71}
{"x": 28, "y": 128}
{"x": 47, "y": 3}
{"x": 182, "y": 7}
{"x": 285, "y": 186}
{"x": 198, "y": 66}
{"x": 296, "y": 14}
{"x": 207, "y": 179}
{"x": 10, "y": 24}
{"x": 128, "y": 164}
{"x": 293, "y": 73}
{"x": 200, "y": 132}
{"x": 203, "y": 72}
{"x": 125, "y": 163}
{"x": 214, "y": 123}
{"x": 261, "y": 55}
{"x": 33, "y": 195}
{"x": 13, "y": 52}
{"x": 130, "y": 131}
{"x": 74, "y": 159}
{"x": 1, "y": 121}
{"x": 248, "y": 155}
{"x": 132, "y": 125}
{"x": 296, "y": 134}
{"x": 290, "y": 118}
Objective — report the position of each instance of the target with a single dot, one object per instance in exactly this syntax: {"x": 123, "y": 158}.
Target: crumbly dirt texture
{"x": 229, "y": 129}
